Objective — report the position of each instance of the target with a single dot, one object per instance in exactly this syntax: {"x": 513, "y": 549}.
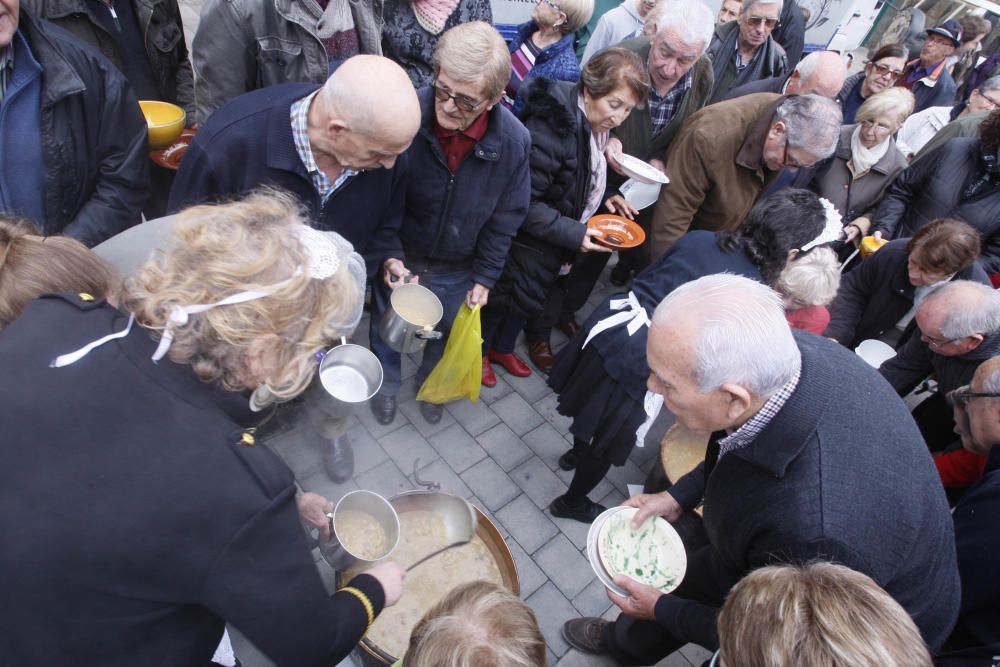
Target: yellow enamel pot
{"x": 165, "y": 122}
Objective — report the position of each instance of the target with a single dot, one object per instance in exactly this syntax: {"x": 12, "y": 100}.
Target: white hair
{"x": 970, "y": 308}
{"x": 747, "y": 4}
{"x": 811, "y": 279}
{"x": 741, "y": 334}
{"x": 813, "y": 123}
{"x": 693, "y": 21}
{"x": 991, "y": 383}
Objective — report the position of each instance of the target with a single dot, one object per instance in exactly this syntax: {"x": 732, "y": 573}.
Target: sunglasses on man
{"x": 755, "y": 21}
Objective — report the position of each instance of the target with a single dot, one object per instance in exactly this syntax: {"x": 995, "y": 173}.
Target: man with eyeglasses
{"x": 728, "y": 154}
{"x": 959, "y": 327}
{"x": 744, "y": 50}
{"x": 337, "y": 149}
{"x": 923, "y": 132}
{"x": 467, "y": 193}
{"x": 927, "y": 77}
{"x": 977, "y": 520}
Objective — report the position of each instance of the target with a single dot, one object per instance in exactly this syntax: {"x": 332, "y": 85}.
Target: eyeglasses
{"x": 938, "y": 342}
{"x": 993, "y": 103}
{"x": 880, "y": 129}
{"x": 963, "y": 395}
{"x": 463, "y": 102}
{"x": 791, "y": 163}
{"x": 754, "y": 21}
{"x": 550, "y": 4}
{"x": 885, "y": 70}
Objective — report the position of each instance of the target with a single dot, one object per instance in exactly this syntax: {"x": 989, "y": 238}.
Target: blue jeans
{"x": 451, "y": 289}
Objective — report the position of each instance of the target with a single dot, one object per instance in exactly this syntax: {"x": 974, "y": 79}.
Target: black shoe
{"x": 338, "y": 459}
{"x": 585, "y": 513}
{"x": 383, "y": 407}
{"x": 620, "y": 275}
{"x": 586, "y": 635}
{"x": 568, "y": 460}
{"x": 431, "y": 411}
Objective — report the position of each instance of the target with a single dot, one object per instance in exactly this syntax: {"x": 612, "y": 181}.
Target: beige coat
{"x": 715, "y": 169}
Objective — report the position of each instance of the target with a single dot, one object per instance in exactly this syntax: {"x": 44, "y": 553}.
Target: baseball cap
{"x": 950, "y": 29}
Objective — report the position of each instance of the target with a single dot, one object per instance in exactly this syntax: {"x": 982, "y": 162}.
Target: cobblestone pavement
{"x": 501, "y": 453}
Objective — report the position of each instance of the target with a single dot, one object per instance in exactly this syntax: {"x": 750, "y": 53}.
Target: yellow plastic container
{"x": 870, "y": 244}
{"x": 165, "y": 121}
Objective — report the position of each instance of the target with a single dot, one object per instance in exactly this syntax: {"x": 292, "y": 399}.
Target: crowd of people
{"x": 344, "y": 148}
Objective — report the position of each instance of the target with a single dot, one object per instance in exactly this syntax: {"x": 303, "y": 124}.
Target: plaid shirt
{"x": 300, "y": 135}
{"x": 745, "y": 434}
{"x": 6, "y": 68}
{"x": 662, "y": 109}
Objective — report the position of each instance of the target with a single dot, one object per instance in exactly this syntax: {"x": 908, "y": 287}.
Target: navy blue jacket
{"x": 841, "y": 473}
{"x": 248, "y": 144}
{"x": 977, "y": 536}
{"x": 158, "y": 524}
{"x": 941, "y": 94}
{"x": 695, "y": 254}
{"x": 468, "y": 217}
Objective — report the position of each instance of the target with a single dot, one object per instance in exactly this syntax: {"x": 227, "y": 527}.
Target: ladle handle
{"x": 435, "y": 553}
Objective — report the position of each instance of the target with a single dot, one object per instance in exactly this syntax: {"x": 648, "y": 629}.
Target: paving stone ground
{"x": 500, "y": 453}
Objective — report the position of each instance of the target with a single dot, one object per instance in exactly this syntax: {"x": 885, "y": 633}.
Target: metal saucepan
{"x": 348, "y": 374}
{"x": 409, "y": 321}
{"x": 367, "y": 502}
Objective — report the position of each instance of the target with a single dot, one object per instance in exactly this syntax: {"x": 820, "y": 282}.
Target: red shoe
{"x": 514, "y": 366}
{"x": 489, "y": 377}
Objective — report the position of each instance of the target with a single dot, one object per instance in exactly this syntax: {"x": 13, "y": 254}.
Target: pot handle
{"x": 427, "y": 334}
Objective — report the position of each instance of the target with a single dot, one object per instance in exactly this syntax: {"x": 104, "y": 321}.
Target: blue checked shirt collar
{"x": 662, "y": 109}
{"x": 324, "y": 185}
{"x": 745, "y": 434}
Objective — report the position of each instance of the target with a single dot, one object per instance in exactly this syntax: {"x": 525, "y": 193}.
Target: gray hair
{"x": 970, "y": 308}
{"x": 742, "y": 336}
{"x": 812, "y": 123}
{"x": 693, "y": 21}
{"x": 474, "y": 53}
{"x": 991, "y": 84}
{"x": 811, "y": 279}
{"x": 991, "y": 383}
{"x": 747, "y": 4}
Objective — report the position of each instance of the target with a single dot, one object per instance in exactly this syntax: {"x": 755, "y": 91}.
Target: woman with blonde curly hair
{"x": 145, "y": 515}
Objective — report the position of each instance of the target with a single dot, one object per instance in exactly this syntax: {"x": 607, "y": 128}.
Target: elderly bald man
{"x": 337, "y": 149}
{"x": 812, "y": 456}
{"x": 820, "y": 73}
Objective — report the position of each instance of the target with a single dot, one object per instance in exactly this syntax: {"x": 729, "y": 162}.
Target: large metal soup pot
{"x": 409, "y": 321}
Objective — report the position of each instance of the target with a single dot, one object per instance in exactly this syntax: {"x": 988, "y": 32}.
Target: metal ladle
{"x": 459, "y": 507}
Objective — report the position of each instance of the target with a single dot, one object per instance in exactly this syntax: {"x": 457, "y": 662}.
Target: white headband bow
{"x": 833, "y": 229}
{"x": 323, "y": 261}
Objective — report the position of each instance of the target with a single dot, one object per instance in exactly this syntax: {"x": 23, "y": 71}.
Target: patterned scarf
{"x": 433, "y": 14}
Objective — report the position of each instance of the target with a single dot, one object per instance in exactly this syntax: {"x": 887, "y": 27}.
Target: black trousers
{"x": 569, "y": 295}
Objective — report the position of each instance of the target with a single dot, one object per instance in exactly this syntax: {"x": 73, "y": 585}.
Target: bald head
{"x": 820, "y": 73}
{"x": 389, "y": 108}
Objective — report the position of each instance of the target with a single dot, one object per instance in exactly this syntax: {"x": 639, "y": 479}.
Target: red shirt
{"x": 458, "y": 144}
{"x": 960, "y": 468}
{"x": 813, "y": 319}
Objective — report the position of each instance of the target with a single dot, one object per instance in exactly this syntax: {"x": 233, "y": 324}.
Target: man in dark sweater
{"x": 977, "y": 523}
{"x": 336, "y": 149}
{"x": 789, "y": 476}
{"x": 959, "y": 327}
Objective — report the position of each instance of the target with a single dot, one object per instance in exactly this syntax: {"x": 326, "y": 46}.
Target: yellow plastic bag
{"x": 459, "y": 374}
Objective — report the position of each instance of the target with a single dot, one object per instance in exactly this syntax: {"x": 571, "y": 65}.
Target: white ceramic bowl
{"x": 639, "y": 194}
{"x": 642, "y": 171}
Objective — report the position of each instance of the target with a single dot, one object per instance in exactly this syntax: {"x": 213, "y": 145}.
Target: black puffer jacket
{"x": 932, "y": 188}
{"x": 560, "y": 175}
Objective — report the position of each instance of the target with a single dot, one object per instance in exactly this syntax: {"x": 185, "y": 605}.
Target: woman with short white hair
{"x": 865, "y": 162}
